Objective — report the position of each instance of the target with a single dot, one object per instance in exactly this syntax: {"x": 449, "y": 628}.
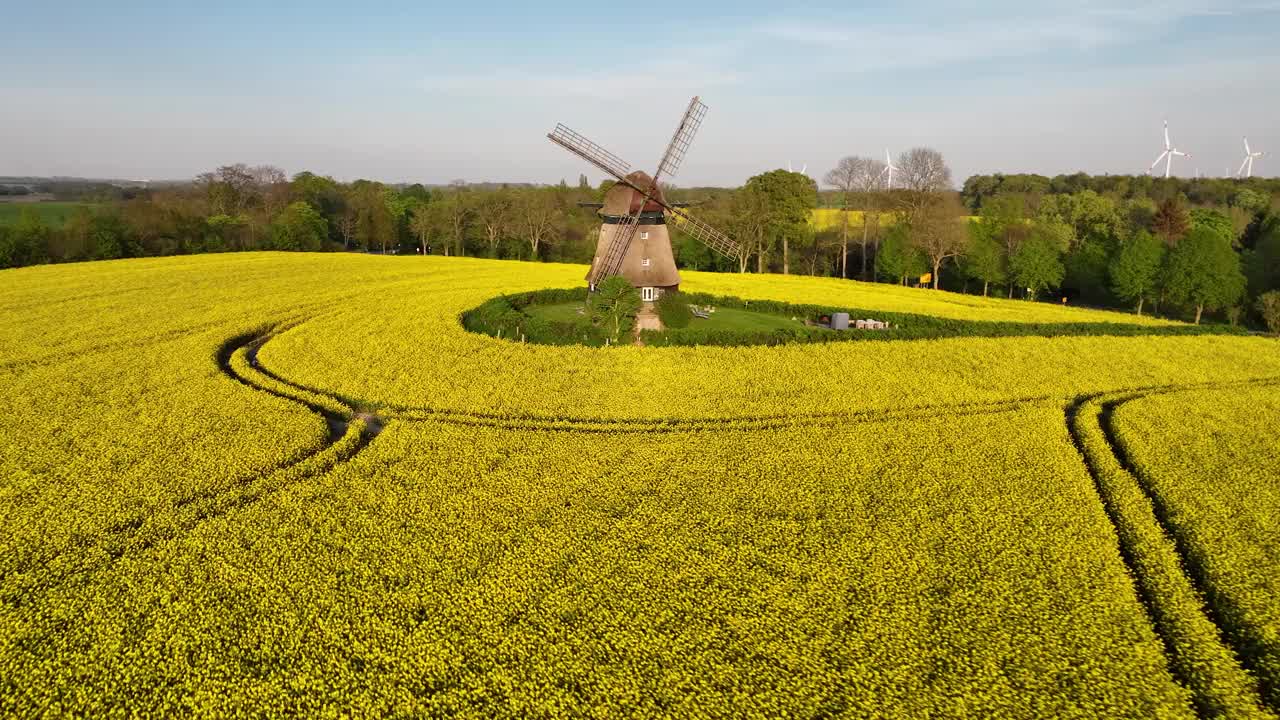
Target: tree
{"x": 1269, "y": 308}
{"x": 1214, "y": 221}
{"x": 939, "y": 232}
{"x": 1204, "y": 272}
{"x": 27, "y": 242}
{"x": 537, "y": 216}
{"x": 923, "y": 170}
{"x": 299, "y": 227}
{"x": 451, "y": 215}
{"x": 494, "y": 212}
{"x": 1170, "y": 222}
{"x": 397, "y": 206}
{"x": 1135, "y": 270}
{"x": 421, "y": 224}
{"x": 788, "y": 199}
{"x": 1037, "y": 264}
{"x": 748, "y": 223}
{"x": 613, "y": 301}
{"x": 922, "y": 174}
{"x": 985, "y": 260}
{"x": 855, "y": 175}
{"x": 897, "y": 258}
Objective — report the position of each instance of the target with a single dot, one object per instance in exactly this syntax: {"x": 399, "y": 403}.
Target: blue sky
{"x": 416, "y": 91}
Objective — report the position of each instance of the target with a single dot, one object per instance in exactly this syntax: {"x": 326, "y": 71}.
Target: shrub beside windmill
{"x": 634, "y": 241}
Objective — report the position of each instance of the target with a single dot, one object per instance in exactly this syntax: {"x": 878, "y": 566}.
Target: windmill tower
{"x": 634, "y": 241}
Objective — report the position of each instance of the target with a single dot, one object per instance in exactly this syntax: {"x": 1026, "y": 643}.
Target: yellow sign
{"x": 926, "y": 278}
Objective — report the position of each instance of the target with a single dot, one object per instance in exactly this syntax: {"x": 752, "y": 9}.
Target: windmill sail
{"x": 579, "y": 145}
{"x": 681, "y": 139}
{"x": 648, "y": 193}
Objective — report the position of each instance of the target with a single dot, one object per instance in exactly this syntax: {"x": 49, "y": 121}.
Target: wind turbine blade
{"x": 1247, "y": 151}
{"x": 1242, "y": 164}
{"x": 1167, "y": 144}
{"x": 1179, "y": 153}
{"x": 804, "y": 170}
{"x": 1157, "y": 162}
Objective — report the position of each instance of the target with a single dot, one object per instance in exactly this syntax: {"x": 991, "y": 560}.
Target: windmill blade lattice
{"x": 704, "y": 233}
{"x": 681, "y": 139}
{"x": 579, "y": 145}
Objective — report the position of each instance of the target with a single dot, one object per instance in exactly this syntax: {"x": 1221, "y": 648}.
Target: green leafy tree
{"x": 1269, "y": 307}
{"x": 897, "y": 259}
{"x": 299, "y": 227}
{"x": 1204, "y": 272}
{"x": 788, "y": 198}
{"x": 985, "y": 261}
{"x": 27, "y": 242}
{"x": 1135, "y": 270}
{"x": 1037, "y": 264}
{"x": 1214, "y": 221}
{"x": 613, "y": 304}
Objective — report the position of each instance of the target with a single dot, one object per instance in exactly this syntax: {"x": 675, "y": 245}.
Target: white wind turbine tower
{"x": 889, "y": 169}
{"x": 1246, "y": 167}
{"x": 1169, "y": 152}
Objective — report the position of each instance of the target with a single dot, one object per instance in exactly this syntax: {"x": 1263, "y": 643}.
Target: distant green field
{"x": 54, "y": 214}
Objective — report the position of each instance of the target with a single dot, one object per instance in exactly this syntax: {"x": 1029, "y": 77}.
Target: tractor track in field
{"x": 1189, "y": 618}
{"x": 348, "y": 434}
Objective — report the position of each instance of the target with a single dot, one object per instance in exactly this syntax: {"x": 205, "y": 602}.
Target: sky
{"x": 428, "y": 92}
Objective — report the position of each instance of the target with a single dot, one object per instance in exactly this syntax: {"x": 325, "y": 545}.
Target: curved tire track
{"x": 1201, "y": 654}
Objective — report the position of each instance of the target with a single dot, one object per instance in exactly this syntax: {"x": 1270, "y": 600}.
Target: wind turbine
{"x": 889, "y": 168}
{"x": 1169, "y": 152}
{"x": 803, "y": 170}
{"x": 1249, "y": 157}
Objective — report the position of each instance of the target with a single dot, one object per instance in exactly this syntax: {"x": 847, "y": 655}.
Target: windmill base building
{"x": 649, "y": 263}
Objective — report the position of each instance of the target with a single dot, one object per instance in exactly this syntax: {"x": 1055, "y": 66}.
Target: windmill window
{"x": 646, "y": 294}
{"x": 644, "y": 262}
{"x": 644, "y": 236}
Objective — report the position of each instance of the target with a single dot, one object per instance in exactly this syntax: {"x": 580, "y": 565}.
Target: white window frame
{"x": 644, "y": 262}
{"x": 646, "y": 294}
{"x": 644, "y": 235}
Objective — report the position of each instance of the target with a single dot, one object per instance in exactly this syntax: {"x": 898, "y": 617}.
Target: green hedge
{"x": 504, "y": 316}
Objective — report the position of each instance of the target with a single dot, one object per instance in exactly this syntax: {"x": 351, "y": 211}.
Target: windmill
{"x": 803, "y": 170}
{"x": 636, "y": 208}
{"x": 1246, "y": 167}
{"x": 889, "y": 169}
{"x": 1169, "y": 152}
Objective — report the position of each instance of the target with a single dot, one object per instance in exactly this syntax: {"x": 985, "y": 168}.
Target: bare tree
{"x": 857, "y": 178}
{"x": 844, "y": 177}
{"x": 537, "y": 213}
{"x": 924, "y": 171}
{"x": 749, "y": 224}
{"x": 494, "y": 212}
{"x": 938, "y": 230}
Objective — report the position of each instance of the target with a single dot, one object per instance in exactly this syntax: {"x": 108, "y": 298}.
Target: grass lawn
{"x": 54, "y": 214}
{"x": 721, "y": 319}
{"x": 561, "y": 312}
{"x": 735, "y": 319}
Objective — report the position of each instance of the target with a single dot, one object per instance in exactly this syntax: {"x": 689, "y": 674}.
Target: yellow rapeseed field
{"x": 279, "y": 485}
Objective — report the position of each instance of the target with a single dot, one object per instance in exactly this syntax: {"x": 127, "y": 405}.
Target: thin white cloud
{"x": 606, "y": 84}
{"x": 998, "y": 31}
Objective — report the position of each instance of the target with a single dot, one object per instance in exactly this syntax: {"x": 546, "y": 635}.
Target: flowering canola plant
{"x": 283, "y": 484}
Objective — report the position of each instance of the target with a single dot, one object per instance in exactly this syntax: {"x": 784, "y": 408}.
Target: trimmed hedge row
{"x": 504, "y": 316}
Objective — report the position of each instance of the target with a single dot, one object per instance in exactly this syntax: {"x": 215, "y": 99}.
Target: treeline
{"x": 1180, "y": 247}
{"x": 238, "y": 207}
